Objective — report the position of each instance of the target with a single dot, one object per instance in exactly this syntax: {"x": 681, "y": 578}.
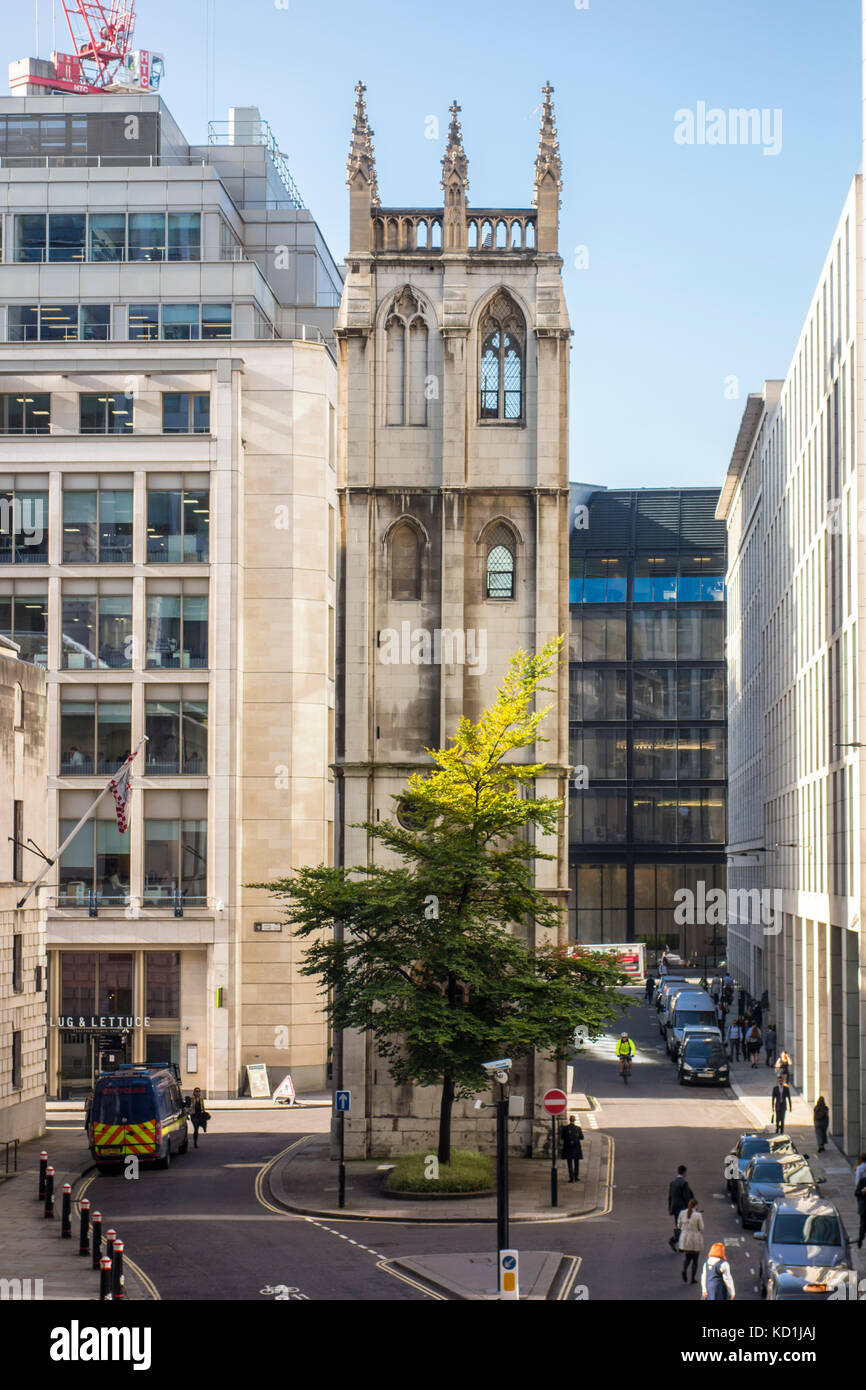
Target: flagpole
{"x": 72, "y": 834}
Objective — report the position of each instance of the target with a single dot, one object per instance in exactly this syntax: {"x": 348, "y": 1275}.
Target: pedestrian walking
{"x": 753, "y": 1043}
{"x": 780, "y": 1102}
{"x": 198, "y": 1115}
{"x": 770, "y": 1045}
{"x": 572, "y": 1150}
{"x": 728, "y": 994}
{"x": 679, "y": 1196}
{"x": 691, "y": 1241}
{"x": 663, "y": 966}
{"x": 716, "y": 1279}
{"x": 859, "y": 1171}
{"x": 758, "y": 1013}
{"x": 860, "y": 1194}
{"x": 785, "y": 1068}
{"x": 650, "y": 986}
{"x": 735, "y": 1039}
{"x": 821, "y": 1121}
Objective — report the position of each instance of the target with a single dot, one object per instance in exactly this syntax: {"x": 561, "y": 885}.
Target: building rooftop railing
{"x": 101, "y": 161}
{"x": 259, "y": 133}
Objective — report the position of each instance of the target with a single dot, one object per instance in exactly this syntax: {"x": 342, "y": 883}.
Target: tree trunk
{"x": 444, "y": 1154}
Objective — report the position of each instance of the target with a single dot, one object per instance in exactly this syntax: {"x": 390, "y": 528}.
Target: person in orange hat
{"x": 716, "y": 1279}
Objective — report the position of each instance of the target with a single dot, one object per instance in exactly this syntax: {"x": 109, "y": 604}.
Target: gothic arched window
{"x": 499, "y": 576}
{"x": 502, "y": 336}
{"x": 405, "y": 562}
{"x": 406, "y": 361}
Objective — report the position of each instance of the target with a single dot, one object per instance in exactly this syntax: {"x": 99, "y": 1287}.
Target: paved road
{"x": 200, "y": 1231}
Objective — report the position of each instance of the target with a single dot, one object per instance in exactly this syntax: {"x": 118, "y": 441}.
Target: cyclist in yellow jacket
{"x": 625, "y": 1048}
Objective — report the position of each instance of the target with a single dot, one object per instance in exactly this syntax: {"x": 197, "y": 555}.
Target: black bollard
{"x": 43, "y": 1165}
{"x": 84, "y": 1229}
{"x": 49, "y": 1194}
{"x": 66, "y": 1213}
{"x": 110, "y": 1238}
{"x": 105, "y": 1280}
{"x": 119, "y": 1290}
{"x": 96, "y": 1237}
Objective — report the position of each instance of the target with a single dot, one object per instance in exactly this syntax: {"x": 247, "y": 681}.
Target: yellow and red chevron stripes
{"x": 133, "y": 1139}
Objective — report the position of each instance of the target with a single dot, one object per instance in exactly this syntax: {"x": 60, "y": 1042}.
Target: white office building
{"x": 167, "y": 458}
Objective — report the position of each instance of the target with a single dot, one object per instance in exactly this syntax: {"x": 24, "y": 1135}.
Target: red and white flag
{"x": 120, "y": 790}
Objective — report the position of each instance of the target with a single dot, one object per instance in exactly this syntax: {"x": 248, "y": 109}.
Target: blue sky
{"x": 701, "y": 258}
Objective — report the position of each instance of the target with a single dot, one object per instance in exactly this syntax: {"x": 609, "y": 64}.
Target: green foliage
{"x": 448, "y": 953}
{"x": 466, "y": 1171}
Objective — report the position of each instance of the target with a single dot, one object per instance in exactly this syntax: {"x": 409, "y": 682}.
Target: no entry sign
{"x": 554, "y": 1102}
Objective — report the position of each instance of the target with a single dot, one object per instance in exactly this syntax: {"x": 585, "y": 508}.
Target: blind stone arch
{"x": 406, "y": 353}
{"x": 405, "y": 561}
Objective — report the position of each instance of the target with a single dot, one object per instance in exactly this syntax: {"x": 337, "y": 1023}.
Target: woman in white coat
{"x": 691, "y": 1240}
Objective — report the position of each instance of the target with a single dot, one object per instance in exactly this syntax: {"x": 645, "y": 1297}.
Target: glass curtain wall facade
{"x": 647, "y": 721}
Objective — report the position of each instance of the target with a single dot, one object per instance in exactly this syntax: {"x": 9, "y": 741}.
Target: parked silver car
{"x": 746, "y": 1147}
{"x": 772, "y": 1178}
{"x": 806, "y": 1252}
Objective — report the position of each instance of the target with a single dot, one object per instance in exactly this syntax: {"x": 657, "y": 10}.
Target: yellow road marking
{"x": 385, "y": 1265}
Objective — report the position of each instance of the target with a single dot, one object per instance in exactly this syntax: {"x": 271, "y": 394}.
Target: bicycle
{"x": 625, "y": 1069}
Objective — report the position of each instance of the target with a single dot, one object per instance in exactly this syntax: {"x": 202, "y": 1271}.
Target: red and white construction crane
{"x": 102, "y": 58}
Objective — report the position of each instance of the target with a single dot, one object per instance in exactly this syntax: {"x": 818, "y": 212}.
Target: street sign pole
{"x": 554, "y": 1175}
{"x": 502, "y": 1170}
{"x": 341, "y": 1180}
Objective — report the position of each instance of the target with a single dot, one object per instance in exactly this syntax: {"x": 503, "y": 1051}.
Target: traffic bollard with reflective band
{"x": 49, "y": 1193}
{"x": 43, "y": 1166}
{"x": 96, "y": 1237}
{"x": 84, "y": 1229}
{"x": 110, "y": 1238}
{"x": 119, "y": 1291}
{"x": 105, "y": 1280}
{"x": 66, "y": 1213}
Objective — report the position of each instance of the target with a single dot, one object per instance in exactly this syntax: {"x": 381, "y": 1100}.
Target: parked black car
{"x": 771, "y": 1178}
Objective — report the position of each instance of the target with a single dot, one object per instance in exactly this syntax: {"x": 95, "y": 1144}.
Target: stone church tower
{"x": 453, "y": 359}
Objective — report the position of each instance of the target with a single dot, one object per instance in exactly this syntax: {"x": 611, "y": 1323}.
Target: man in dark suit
{"x": 780, "y": 1101}
{"x": 572, "y": 1149}
{"x": 679, "y": 1196}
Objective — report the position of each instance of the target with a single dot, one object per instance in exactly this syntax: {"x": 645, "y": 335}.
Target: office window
{"x": 654, "y": 754}
{"x": 654, "y": 693}
{"x": 105, "y": 414}
{"x": 95, "y": 323}
{"x": 23, "y": 524}
{"x": 30, "y": 236}
{"x": 107, "y": 236}
{"x": 654, "y": 634}
{"x": 23, "y": 323}
{"x": 162, "y": 984}
{"x": 143, "y": 321}
{"x": 96, "y": 630}
{"x": 598, "y": 579}
{"x": 180, "y": 321}
{"x": 177, "y": 630}
{"x": 603, "y": 752}
{"x": 701, "y": 694}
{"x": 24, "y": 618}
{"x": 184, "y": 412}
{"x": 17, "y": 963}
{"x": 701, "y": 816}
{"x": 94, "y": 733}
{"x": 78, "y": 982}
{"x": 147, "y": 236}
{"x": 175, "y": 859}
{"x": 23, "y": 413}
{"x": 600, "y": 895}
{"x": 114, "y": 995}
{"x": 655, "y": 817}
{"x": 178, "y": 525}
{"x": 701, "y": 753}
{"x": 67, "y": 236}
{"x": 601, "y": 634}
{"x": 96, "y": 861}
{"x": 216, "y": 320}
{"x": 597, "y": 817}
{"x": 17, "y": 1079}
{"x": 184, "y": 236}
{"x": 597, "y": 694}
{"x": 655, "y": 579}
{"x": 58, "y": 323}
{"x": 97, "y": 526}
{"x": 177, "y": 733}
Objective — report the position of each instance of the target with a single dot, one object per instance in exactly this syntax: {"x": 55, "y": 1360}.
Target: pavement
{"x": 32, "y": 1249}
{"x": 305, "y": 1182}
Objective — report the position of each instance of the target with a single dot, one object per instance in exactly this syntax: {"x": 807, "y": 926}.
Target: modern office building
{"x": 647, "y": 720}
{"x": 794, "y": 505}
{"x": 453, "y": 344}
{"x": 22, "y": 930}
{"x": 168, "y": 453}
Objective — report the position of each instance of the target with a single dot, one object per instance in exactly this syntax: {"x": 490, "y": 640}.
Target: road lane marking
{"x": 385, "y": 1265}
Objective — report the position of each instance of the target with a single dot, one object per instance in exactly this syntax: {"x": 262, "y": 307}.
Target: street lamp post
{"x": 502, "y": 1168}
